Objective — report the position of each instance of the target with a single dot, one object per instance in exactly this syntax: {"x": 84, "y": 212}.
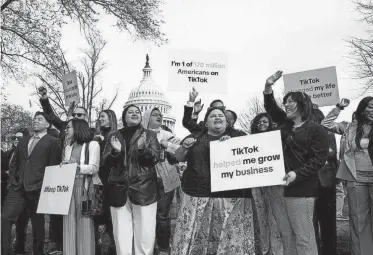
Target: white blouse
{"x": 93, "y": 165}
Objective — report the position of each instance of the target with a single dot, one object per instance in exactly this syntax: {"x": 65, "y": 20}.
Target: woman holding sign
{"x": 210, "y": 223}
{"x": 357, "y": 169}
{"x": 78, "y": 230}
{"x": 305, "y": 147}
{"x": 131, "y": 154}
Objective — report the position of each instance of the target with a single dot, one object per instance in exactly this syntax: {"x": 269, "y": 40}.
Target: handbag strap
{"x": 86, "y": 192}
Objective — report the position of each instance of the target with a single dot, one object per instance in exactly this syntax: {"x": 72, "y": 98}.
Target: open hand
{"x": 188, "y": 143}
{"x": 116, "y": 144}
{"x": 198, "y": 107}
{"x": 273, "y": 78}
{"x": 193, "y": 95}
{"x": 290, "y": 177}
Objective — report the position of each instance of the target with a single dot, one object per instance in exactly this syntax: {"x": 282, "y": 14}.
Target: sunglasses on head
{"x": 78, "y": 114}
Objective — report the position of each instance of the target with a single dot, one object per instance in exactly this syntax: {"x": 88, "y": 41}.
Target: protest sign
{"x": 55, "y": 195}
{"x": 70, "y": 88}
{"x": 206, "y": 71}
{"x": 247, "y": 162}
{"x": 320, "y": 84}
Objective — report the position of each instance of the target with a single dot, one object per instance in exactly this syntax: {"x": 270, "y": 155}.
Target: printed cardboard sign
{"x": 320, "y": 84}
{"x": 57, "y": 189}
{"x": 70, "y": 88}
{"x": 247, "y": 162}
{"x": 206, "y": 71}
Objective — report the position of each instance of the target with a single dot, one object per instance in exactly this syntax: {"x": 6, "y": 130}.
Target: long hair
{"x": 82, "y": 132}
{"x": 303, "y": 101}
{"x": 360, "y": 120}
{"x": 112, "y": 120}
{"x": 254, "y": 125}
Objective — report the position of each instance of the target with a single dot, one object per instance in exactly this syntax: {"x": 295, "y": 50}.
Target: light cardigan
{"x": 94, "y": 160}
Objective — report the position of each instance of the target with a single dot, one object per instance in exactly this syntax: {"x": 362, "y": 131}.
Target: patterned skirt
{"x": 214, "y": 226}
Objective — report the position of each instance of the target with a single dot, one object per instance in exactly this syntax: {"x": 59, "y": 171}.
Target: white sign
{"x": 206, "y": 71}
{"x": 247, "y": 162}
{"x": 320, "y": 84}
{"x": 70, "y": 88}
{"x": 57, "y": 189}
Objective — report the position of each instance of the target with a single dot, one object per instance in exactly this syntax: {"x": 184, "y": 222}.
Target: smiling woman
{"x": 227, "y": 214}
{"x": 305, "y": 148}
{"x": 357, "y": 169}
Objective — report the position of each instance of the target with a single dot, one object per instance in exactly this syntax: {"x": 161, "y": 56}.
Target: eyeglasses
{"x": 78, "y": 115}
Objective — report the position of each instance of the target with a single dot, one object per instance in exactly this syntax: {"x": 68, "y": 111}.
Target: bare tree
{"x": 361, "y": 49}
{"x": 88, "y": 78}
{"x": 254, "y": 106}
{"x": 31, "y": 28}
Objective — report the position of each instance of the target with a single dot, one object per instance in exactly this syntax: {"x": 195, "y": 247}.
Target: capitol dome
{"x": 148, "y": 95}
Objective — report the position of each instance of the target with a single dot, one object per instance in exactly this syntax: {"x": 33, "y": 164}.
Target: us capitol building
{"x": 148, "y": 95}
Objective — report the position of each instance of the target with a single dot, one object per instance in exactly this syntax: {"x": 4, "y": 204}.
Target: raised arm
{"x": 329, "y": 122}
{"x": 270, "y": 104}
{"x": 47, "y": 108}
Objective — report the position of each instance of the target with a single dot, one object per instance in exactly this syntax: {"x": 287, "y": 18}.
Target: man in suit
{"x": 26, "y": 173}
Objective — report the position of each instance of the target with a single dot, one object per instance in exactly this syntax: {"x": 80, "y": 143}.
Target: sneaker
{"x": 342, "y": 218}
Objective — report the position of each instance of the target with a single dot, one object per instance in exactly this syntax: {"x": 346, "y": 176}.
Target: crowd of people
{"x": 136, "y": 169}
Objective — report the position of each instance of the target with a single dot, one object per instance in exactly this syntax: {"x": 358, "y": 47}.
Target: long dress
{"x": 206, "y": 223}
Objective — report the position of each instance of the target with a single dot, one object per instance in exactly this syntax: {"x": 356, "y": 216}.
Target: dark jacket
{"x": 327, "y": 175}
{"x": 56, "y": 121}
{"x": 190, "y": 123}
{"x": 28, "y": 170}
{"x": 305, "y": 150}
{"x": 196, "y": 179}
{"x": 196, "y": 128}
{"x": 134, "y": 170}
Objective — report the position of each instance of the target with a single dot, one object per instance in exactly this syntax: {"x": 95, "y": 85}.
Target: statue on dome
{"x": 147, "y": 61}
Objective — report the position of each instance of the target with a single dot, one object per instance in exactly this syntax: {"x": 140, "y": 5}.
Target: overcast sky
{"x": 260, "y": 37}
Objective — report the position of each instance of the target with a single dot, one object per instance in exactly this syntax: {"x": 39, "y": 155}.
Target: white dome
{"x": 148, "y": 95}
{"x": 147, "y": 91}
